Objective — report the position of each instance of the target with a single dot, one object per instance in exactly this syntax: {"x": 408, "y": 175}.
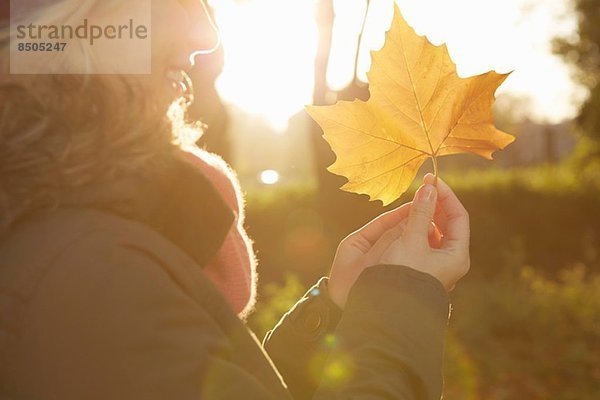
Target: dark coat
{"x": 105, "y": 298}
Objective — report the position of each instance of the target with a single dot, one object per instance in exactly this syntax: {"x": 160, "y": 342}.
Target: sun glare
{"x": 349, "y": 15}
{"x": 270, "y": 48}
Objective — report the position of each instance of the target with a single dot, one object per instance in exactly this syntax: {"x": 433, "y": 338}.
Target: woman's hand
{"x": 429, "y": 234}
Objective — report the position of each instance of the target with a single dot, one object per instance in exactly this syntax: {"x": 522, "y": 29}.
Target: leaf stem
{"x": 435, "y": 169}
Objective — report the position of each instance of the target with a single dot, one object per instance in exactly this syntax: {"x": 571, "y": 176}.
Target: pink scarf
{"x": 233, "y": 268}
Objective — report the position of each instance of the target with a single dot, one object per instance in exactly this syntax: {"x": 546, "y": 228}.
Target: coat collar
{"x": 177, "y": 201}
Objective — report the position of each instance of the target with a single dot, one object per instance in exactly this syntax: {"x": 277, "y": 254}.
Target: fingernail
{"x": 426, "y": 193}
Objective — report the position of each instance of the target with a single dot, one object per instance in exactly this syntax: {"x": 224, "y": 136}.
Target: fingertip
{"x": 443, "y": 187}
{"x": 429, "y": 178}
{"x": 443, "y": 183}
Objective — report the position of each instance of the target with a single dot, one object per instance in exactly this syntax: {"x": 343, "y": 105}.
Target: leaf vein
{"x": 458, "y": 120}
{"x": 393, "y": 169}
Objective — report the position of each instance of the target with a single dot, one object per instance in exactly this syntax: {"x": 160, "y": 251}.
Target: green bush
{"x": 516, "y": 333}
{"x": 526, "y": 337}
{"x": 275, "y": 300}
{"x": 546, "y": 217}
{"x": 519, "y": 336}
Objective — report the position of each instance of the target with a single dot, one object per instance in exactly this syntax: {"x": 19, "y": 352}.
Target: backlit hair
{"x": 61, "y": 132}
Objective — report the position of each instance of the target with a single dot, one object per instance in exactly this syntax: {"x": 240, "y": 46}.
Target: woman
{"x": 125, "y": 269}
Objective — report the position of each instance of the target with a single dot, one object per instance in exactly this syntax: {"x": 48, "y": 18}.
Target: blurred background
{"x": 526, "y": 320}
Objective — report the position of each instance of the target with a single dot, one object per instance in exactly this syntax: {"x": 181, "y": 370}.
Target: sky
{"x": 270, "y": 47}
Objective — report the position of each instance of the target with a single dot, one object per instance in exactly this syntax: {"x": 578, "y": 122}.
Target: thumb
{"x": 421, "y": 215}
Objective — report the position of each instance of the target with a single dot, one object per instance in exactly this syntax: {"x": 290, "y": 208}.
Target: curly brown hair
{"x": 60, "y": 132}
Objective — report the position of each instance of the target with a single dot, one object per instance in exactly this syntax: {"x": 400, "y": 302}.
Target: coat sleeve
{"x": 117, "y": 326}
{"x": 387, "y": 344}
{"x": 300, "y": 343}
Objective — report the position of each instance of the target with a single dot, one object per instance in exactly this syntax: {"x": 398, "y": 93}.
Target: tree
{"x": 583, "y": 50}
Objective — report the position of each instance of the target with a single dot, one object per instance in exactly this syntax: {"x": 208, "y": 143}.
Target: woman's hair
{"x": 61, "y": 132}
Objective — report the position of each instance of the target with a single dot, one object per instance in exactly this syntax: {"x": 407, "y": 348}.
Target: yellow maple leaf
{"x": 419, "y": 108}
